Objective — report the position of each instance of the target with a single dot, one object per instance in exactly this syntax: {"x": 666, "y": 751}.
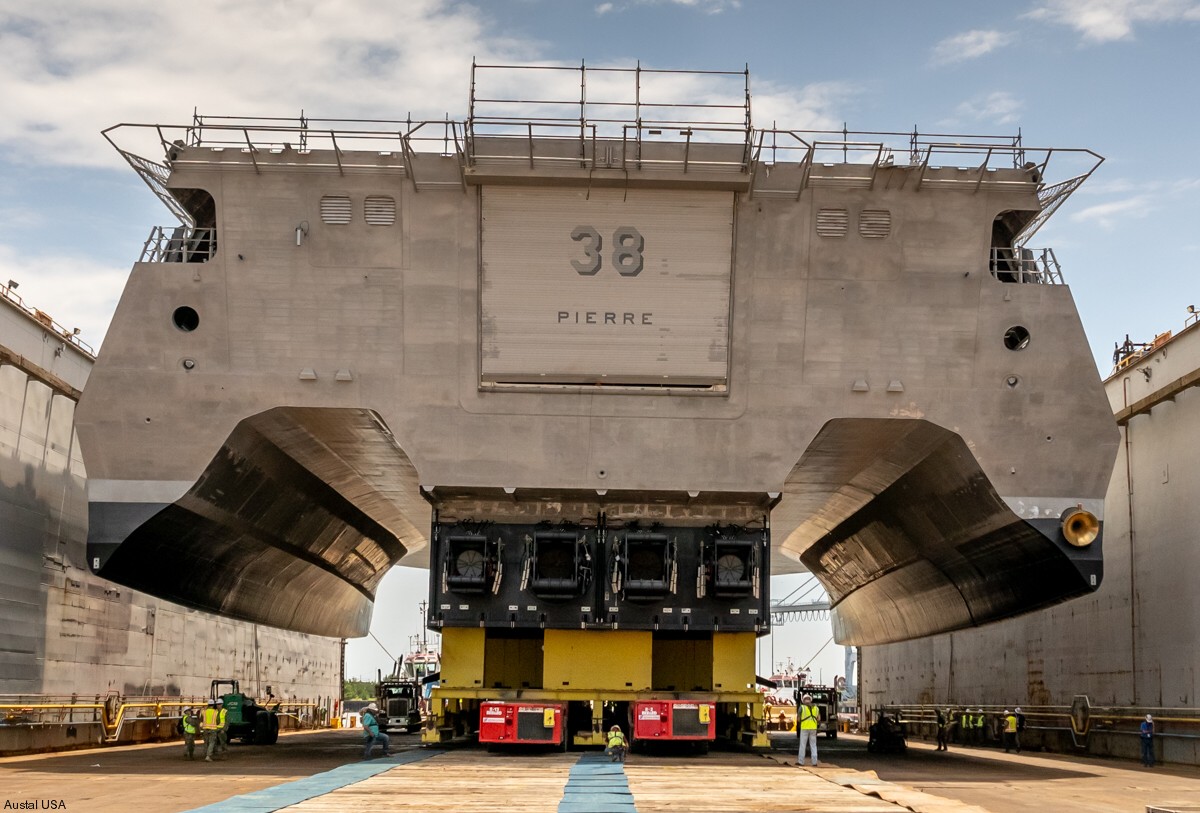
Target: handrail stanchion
{"x": 252, "y": 150}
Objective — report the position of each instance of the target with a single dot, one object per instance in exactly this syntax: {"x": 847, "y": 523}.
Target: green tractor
{"x": 247, "y": 720}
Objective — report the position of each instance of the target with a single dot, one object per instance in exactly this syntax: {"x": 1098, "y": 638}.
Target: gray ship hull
{"x": 679, "y": 329}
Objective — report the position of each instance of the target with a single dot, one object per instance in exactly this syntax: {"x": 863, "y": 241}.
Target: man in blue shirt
{"x": 1147, "y": 733}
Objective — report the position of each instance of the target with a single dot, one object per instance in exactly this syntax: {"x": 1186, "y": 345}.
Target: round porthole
{"x": 186, "y": 319}
{"x": 1016, "y": 338}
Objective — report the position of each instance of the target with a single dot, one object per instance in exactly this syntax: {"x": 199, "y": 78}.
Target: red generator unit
{"x": 511, "y": 723}
{"x": 670, "y": 720}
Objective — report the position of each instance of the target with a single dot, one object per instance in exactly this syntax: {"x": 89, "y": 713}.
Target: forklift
{"x": 248, "y": 721}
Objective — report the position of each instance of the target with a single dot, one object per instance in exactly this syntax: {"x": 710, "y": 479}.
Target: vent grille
{"x": 686, "y": 723}
{"x": 875, "y": 223}
{"x": 380, "y": 210}
{"x": 531, "y": 727}
{"x": 832, "y": 222}
{"x": 335, "y": 210}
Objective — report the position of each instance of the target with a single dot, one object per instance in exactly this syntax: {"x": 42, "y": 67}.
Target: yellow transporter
{"x": 602, "y": 678}
{"x": 566, "y": 612}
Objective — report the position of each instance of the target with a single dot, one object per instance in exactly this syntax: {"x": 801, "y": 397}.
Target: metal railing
{"x": 933, "y": 160}
{"x": 1078, "y": 720}
{"x": 695, "y": 149}
{"x": 304, "y": 135}
{"x": 113, "y": 712}
{"x": 617, "y": 119}
{"x": 346, "y": 145}
{"x": 70, "y": 335}
{"x": 179, "y": 244}
{"x": 807, "y": 602}
{"x": 612, "y": 102}
{"x": 1036, "y": 266}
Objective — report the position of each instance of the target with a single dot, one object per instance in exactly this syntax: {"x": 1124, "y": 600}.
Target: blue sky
{"x": 1115, "y": 76}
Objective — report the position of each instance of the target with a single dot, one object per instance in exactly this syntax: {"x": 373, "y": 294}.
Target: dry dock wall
{"x": 65, "y": 632}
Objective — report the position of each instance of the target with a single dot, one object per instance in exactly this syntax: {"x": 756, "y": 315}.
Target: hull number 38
{"x": 626, "y": 256}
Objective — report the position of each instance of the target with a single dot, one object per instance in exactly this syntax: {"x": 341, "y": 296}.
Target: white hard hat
{"x": 807, "y": 698}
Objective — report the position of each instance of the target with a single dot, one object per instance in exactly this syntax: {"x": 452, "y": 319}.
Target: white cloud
{"x": 74, "y": 289}
{"x": 703, "y": 6}
{"x": 1116, "y": 186}
{"x": 1158, "y": 188}
{"x": 1109, "y": 215}
{"x": 999, "y": 107}
{"x": 968, "y": 45}
{"x": 73, "y": 68}
{"x": 819, "y": 106}
{"x": 708, "y": 6}
{"x": 1103, "y": 21}
{"x": 1139, "y": 199}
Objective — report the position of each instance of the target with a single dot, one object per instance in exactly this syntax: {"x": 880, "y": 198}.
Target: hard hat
{"x": 615, "y": 728}
{"x": 807, "y": 698}
{"x": 1149, "y": 718}
{"x": 212, "y": 702}
{"x": 1018, "y": 709}
{"x": 219, "y": 701}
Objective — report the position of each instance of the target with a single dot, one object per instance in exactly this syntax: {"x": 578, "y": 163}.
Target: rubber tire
{"x": 273, "y": 730}
{"x": 262, "y": 727}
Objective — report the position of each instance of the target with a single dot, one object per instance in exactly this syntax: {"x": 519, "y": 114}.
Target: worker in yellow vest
{"x": 1010, "y": 732}
{"x": 808, "y": 720}
{"x": 210, "y": 726}
{"x": 617, "y": 746}
{"x": 223, "y": 733}
{"x": 190, "y": 723}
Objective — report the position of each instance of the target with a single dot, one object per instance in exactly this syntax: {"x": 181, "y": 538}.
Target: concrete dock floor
{"x": 321, "y": 771}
